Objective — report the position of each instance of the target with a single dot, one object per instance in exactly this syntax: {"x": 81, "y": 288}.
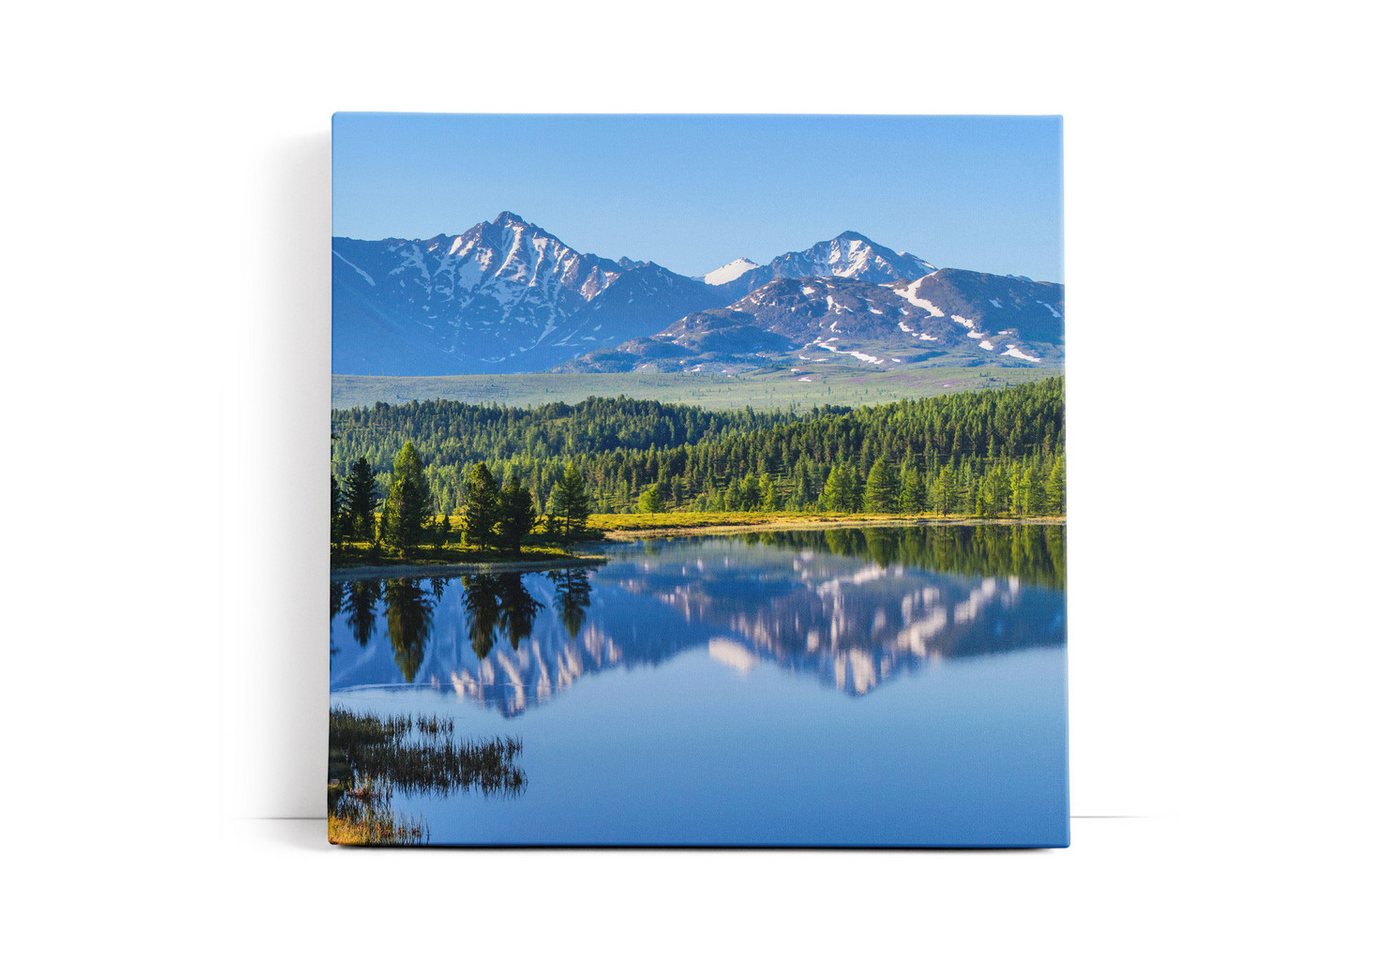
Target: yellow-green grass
{"x": 626, "y": 525}
{"x": 373, "y": 828}
{"x": 454, "y": 552}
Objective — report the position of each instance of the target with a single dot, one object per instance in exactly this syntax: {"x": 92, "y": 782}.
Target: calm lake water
{"x": 869, "y": 687}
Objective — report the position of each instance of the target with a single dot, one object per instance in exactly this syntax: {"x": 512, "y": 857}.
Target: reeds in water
{"x": 372, "y": 755}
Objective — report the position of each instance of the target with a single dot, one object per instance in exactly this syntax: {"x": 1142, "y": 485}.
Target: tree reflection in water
{"x": 360, "y": 600}
{"x": 408, "y": 619}
{"x": 498, "y": 602}
{"x": 1035, "y": 553}
{"x": 338, "y": 590}
{"x": 852, "y": 606}
{"x": 518, "y": 609}
{"x": 572, "y": 593}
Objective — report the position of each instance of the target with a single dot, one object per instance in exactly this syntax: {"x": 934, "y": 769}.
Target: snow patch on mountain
{"x": 368, "y": 279}
{"x": 732, "y": 270}
{"x": 908, "y": 294}
{"x": 829, "y": 344}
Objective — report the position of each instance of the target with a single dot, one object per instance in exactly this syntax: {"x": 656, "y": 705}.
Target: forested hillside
{"x": 989, "y": 453}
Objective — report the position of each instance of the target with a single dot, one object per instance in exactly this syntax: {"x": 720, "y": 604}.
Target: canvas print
{"x": 697, "y": 481}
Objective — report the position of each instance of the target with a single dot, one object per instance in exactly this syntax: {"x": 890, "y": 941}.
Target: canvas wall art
{"x": 697, "y": 481}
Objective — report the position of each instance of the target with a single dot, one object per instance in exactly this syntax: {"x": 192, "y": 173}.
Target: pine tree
{"x": 841, "y": 495}
{"x": 995, "y": 492}
{"x": 361, "y": 498}
{"x": 767, "y": 493}
{"x": 406, "y": 508}
{"x": 1055, "y": 487}
{"x": 517, "y": 515}
{"x": 554, "y": 514}
{"x": 801, "y": 495}
{"x": 650, "y": 499}
{"x": 911, "y": 488}
{"x": 335, "y": 510}
{"x": 944, "y": 490}
{"x": 481, "y": 509}
{"x": 574, "y": 506}
{"x": 745, "y": 494}
{"x": 881, "y": 488}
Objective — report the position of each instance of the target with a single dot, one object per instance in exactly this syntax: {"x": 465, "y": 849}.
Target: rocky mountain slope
{"x": 507, "y": 296}
{"x": 947, "y": 315}
{"x": 504, "y": 296}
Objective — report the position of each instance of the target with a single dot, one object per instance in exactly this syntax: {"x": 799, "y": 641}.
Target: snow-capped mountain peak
{"x": 849, "y": 254}
{"x": 853, "y": 255}
{"x": 508, "y": 296}
{"x": 944, "y": 316}
{"x": 732, "y": 270}
{"x": 503, "y": 295}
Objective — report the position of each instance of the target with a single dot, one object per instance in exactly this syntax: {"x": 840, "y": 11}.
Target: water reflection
{"x": 361, "y": 600}
{"x": 498, "y": 603}
{"x": 853, "y": 608}
{"x": 374, "y": 757}
{"x": 409, "y": 617}
{"x": 1034, "y": 554}
{"x": 571, "y": 595}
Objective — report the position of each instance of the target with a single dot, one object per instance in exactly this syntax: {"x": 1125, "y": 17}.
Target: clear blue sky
{"x": 693, "y": 192}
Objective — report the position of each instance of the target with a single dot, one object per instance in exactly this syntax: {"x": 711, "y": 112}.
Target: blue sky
{"x": 693, "y": 192}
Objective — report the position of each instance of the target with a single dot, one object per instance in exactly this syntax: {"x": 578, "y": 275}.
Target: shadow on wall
{"x": 276, "y": 428}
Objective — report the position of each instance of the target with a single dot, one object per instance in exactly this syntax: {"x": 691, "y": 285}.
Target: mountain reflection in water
{"x": 853, "y": 608}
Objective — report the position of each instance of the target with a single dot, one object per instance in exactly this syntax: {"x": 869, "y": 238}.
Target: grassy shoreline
{"x": 635, "y": 526}
{"x": 361, "y": 559}
{"x": 354, "y": 561}
{"x": 411, "y": 568}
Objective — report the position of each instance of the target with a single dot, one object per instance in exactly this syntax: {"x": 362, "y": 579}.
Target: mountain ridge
{"x": 947, "y": 315}
{"x": 506, "y": 296}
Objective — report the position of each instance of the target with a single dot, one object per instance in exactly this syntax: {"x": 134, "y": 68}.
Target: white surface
{"x": 1231, "y": 545}
{"x": 732, "y": 270}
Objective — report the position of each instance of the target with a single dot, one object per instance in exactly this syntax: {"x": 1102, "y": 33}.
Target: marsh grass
{"x": 371, "y": 756}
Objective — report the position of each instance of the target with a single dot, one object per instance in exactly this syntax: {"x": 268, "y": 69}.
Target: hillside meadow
{"x": 762, "y": 390}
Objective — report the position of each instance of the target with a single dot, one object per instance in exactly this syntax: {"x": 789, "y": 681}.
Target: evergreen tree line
{"x": 461, "y": 432}
{"x": 494, "y": 515}
{"x": 986, "y": 453}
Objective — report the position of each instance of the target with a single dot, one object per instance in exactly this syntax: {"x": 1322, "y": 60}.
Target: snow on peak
{"x": 732, "y": 270}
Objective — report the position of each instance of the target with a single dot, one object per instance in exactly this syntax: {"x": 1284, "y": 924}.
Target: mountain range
{"x": 507, "y": 296}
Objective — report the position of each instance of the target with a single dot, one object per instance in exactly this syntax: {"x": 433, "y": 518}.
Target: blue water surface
{"x": 882, "y": 687}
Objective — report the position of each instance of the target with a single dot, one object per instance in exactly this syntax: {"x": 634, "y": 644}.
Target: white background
{"x": 1231, "y": 212}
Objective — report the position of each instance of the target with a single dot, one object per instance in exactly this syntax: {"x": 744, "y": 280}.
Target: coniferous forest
{"x": 992, "y": 453}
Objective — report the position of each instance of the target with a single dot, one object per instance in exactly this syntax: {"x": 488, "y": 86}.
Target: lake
{"x": 900, "y": 686}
